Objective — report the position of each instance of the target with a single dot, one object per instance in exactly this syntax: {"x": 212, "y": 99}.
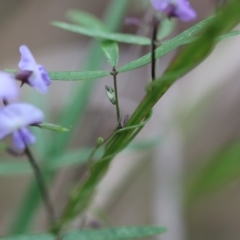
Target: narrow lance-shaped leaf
{"x": 222, "y": 168}
{"x": 75, "y": 76}
{"x": 72, "y": 75}
{"x": 168, "y": 46}
{"x": 118, "y": 37}
{"x": 120, "y": 233}
{"x": 183, "y": 38}
{"x": 52, "y": 127}
{"x": 85, "y": 19}
{"x": 12, "y": 167}
{"x": 74, "y": 207}
{"x": 110, "y": 49}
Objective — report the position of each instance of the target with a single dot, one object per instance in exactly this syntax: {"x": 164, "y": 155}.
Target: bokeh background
{"x": 195, "y": 127}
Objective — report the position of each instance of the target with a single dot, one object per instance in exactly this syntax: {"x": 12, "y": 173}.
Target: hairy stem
{"x": 155, "y": 25}
{"x": 41, "y": 185}
{"x": 114, "y": 73}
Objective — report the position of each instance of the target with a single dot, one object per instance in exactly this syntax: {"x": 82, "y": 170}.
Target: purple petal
{"x": 23, "y": 137}
{"x": 184, "y": 11}
{"x": 160, "y": 5}
{"x": 18, "y": 115}
{"x": 27, "y": 61}
{"x": 39, "y": 78}
{"x": 44, "y": 74}
{"x": 175, "y": 8}
{"x": 38, "y": 82}
{"x": 8, "y": 86}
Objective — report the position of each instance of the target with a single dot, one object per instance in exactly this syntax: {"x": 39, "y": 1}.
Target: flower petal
{"x": 44, "y": 75}
{"x": 184, "y": 11}
{"x": 175, "y": 8}
{"x": 39, "y": 79}
{"x": 27, "y": 61}
{"x": 8, "y": 86}
{"x": 23, "y": 137}
{"x": 160, "y": 5}
{"x": 18, "y": 115}
{"x": 36, "y": 81}
{"x": 18, "y": 141}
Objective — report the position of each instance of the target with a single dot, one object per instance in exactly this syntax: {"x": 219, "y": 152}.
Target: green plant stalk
{"x": 32, "y": 198}
{"x": 69, "y": 211}
{"x": 42, "y": 186}
{"x": 155, "y": 26}
{"x": 188, "y": 59}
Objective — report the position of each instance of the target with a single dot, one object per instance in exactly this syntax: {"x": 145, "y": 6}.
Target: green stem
{"x": 155, "y": 25}
{"x": 75, "y": 206}
{"x": 25, "y": 213}
{"x": 42, "y": 186}
{"x": 188, "y": 59}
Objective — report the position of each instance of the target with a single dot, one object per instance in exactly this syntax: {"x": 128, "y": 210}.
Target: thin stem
{"x": 41, "y": 185}
{"x": 114, "y": 73}
{"x": 155, "y": 24}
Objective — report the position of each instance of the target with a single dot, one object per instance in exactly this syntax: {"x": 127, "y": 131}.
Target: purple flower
{"x": 8, "y": 86}
{"x": 175, "y": 8}
{"x": 36, "y": 74}
{"x": 14, "y": 119}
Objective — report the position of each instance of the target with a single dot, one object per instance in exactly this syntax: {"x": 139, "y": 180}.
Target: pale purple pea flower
{"x": 14, "y": 119}
{"x": 175, "y": 8}
{"x": 36, "y": 74}
{"x": 8, "y": 86}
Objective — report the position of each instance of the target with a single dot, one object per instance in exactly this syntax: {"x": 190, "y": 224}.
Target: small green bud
{"x": 111, "y": 94}
{"x": 100, "y": 141}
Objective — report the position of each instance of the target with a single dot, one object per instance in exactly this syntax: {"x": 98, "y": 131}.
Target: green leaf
{"x": 45, "y": 236}
{"x": 52, "y": 127}
{"x": 221, "y": 169}
{"x": 118, "y": 37}
{"x": 229, "y": 35}
{"x": 119, "y": 233}
{"x": 89, "y": 21}
{"x": 13, "y": 168}
{"x": 74, "y": 76}
{"x": 85, "y": 19}
{"x": 69, "y": 159}
{"x": 183, "y": 38}
{"x": 168, "y": 46}
{"x": 81, "y": 197}
{"x": 111, "y": 51}
{"x": 218, "y": 39}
